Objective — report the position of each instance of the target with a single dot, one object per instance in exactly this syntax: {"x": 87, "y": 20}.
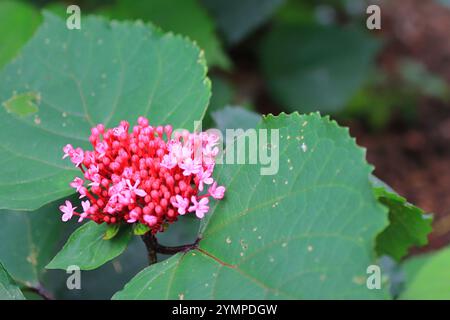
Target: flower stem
{"x": 153, "y": 247}
{"x": 173, "y": 250}
{"x": 151, "y": 244}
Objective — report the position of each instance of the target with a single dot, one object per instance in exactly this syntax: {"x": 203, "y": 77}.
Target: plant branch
{"x": 173, "y": 250}
{"x": 41, "y": 291}
{"x": 151, "y": 244}
{"x": 153, "y": 247}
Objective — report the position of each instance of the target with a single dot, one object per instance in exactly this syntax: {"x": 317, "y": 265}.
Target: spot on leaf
{"x": 23, "y": 104}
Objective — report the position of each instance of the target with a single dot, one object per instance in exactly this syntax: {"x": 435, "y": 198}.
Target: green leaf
{"x": 421, "y": 80}
{"x": 297, "y": 12}
{"x": 111, "y": 231}
{"x": 235, "y": 118}
{"x": 238, "y": 18}
{"x": 30, "y": 240}
{"x": 427, "y": 276}
{"x": 87, "y": 249}
{"x": 60, "y": 9}
{"x": 140, "y": 229}
{"x": 103, "y": 282}
{"x": 185, "y": 17}
{"x": 307, "y": 232}
{"x": 104, "y": 73}
{"x": 18, "y": 21}
{"x": 222, "y": 95}
{"x": 8, "y": 288}
{"x": 408, "y": 226}
{"x": 311, "y": 67}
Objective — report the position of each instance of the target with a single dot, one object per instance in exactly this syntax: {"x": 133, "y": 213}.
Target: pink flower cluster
{"x": 142, "y": 177}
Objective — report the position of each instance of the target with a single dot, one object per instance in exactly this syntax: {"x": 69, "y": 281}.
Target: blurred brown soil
{"x": 422, "y": 29}
{"x": 415, "y": 160}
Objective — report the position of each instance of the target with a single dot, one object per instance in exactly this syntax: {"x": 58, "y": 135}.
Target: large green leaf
{"x": 8, "y": 288}
{"x": 88, "y": 249}
{"x": 427, "y": 276}
{"x": 306, "y": 232}
{"x": 185, "y": 17}
{"x": 18, "y": 21}
{"x": 30, "y": 240}
{"x": 238, "y": 18}
{"x": 409, "y": 226}
{"x": 312, "y": 67}
{"x": 103, "y": 73}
